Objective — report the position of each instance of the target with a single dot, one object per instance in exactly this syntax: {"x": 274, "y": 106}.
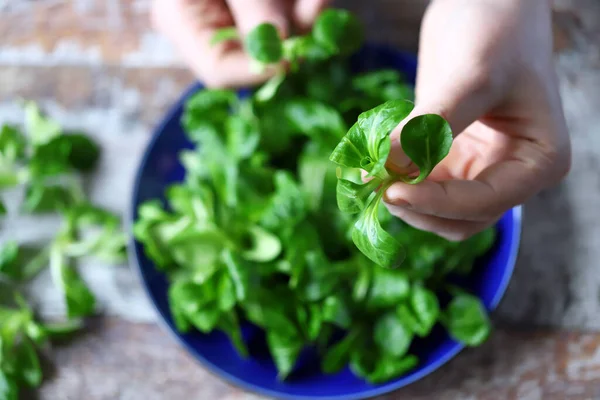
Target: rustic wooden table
{"x": 99, "y": 59}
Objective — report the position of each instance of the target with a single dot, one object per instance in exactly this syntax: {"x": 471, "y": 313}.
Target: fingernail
{"x": 393, "y": 198}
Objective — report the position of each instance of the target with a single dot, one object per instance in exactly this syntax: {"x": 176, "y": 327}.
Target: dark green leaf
{"x": 40, "y": 198}
{"x": 482, "y": 242}
{"x": 8, "y": 387}
{"x": 2, "y": 208}
{"x": 196, "y": 202}
{"x": 80, "y": 302}
{"x": 315, "y": 119}
{"x": 383, "y": 368}
{"x": 8, "y": 257}
{"x": 213, "y": 104}
{"x": 352, "y": 149}
{"x": 425, "y": 305}
{"x": 337, "y": 311}
{"x": 176, "y": 305}
{"x": 426, "y": 139}
{"x": 466, "y": 320}
{"x": 372, "y": 240}
{"x": 51, "y": 158}
{"x": 84, "y": 153}
{"x": 226, "y": 293}
{"x": 22, "y": 263}
{"x": 391, "y": 335}
{"x": 339, "y": 31}
{"x": 195, "y": 303}
{"x": 338, "y": 355}
{"x": 264, "y": 44}
{"x": 319, "y": 278}
{"x": 374, "y": 80}
{"x": 388, "y": 288}
{"x": 205, "y": 319}
{"x": 230, "y": 324}
{"x": 287, "y": 206}
{"x": 240, "y": 273}
{"x": 284, "y": 350}
{"x": 242, "y": 137}
{"x": 12, "y": 144}
{"x": 317, "y": 175}
{"x": 352, "y": 197}
{"x": 367, "y": 143}
{"x": 29, "y": 368}
{"x": 421, "y": 312}
{"x": 376, "y": 125}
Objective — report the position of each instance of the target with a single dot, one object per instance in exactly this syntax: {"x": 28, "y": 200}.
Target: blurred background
{"x": 97, "y": 66}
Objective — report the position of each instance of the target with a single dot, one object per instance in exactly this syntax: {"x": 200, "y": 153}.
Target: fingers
{"x": 250, "y": 13}
{"x": 495, "y": 190}
{"x": 452, "y": 230}
{"x": 306, "y": 11}
{"x": 464, "y": 99}
{"x": 190, "y": 26}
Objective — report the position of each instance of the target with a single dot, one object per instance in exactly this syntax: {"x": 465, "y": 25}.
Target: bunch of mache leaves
{"x": 47, "y": 167}
{"x": 262, "y": 230}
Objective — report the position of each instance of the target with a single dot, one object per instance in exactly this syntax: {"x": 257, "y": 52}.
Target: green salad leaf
{"x": 264, "y": 44}
{"x": 274, "y": 227}
{"x": 47, "y": 163}
{"x": 466, "y": 320}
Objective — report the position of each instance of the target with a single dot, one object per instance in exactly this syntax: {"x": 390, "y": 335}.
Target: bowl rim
{"x": 135, "y": 264}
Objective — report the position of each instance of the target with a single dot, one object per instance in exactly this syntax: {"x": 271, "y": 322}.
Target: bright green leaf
{"x": 269, "y": 89}
{"x": 352, "y": 197}
{"x": 421, "y": 312}
{"x": 80, "y": 302}
{"x": 339, "y": 31}
{"x": 262, "y": 245}
{"x": 285, "y": 351}
{"x": 392, "y": 335}
{"x": 426, "y": 139}
{"x": 41, "y": 128}
{"x": 466, "y": 320}
{"x": 372, "y": 240}
{"x": 264, "y": 44}
{"x": 388, "y": 287}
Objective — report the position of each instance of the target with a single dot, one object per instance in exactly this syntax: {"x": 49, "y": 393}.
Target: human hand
{"x": 191, "y": 24}
{"x": 485, "y": 66}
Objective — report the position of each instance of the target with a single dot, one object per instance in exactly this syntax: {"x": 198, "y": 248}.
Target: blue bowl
{"x": 160, "y": 167}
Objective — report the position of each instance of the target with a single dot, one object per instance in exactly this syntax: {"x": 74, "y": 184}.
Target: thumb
{"x": 461, "y": 101}
{"x": 250, "y": 13}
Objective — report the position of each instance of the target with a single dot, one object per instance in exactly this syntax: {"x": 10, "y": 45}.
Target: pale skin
{"x": 484, "y": 65}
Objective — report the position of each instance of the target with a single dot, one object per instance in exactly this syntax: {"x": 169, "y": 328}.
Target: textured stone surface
{"x": 120, "y": 361}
